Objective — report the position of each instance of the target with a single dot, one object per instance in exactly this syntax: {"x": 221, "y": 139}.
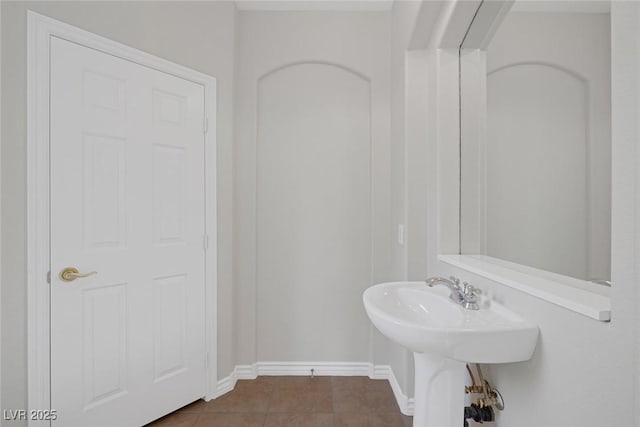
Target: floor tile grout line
{"x": 272, "y": 385}
{"x": 333, "y": 409}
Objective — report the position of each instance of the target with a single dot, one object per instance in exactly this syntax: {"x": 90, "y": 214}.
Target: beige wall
{"x": 199, "y": 35}
{"x": 408, "y": 93}
{"x": 357, "y": 41}
{"x": 625, "y": 252}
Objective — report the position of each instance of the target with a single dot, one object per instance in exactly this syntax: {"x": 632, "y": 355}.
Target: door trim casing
{"x": 40, "y": 31}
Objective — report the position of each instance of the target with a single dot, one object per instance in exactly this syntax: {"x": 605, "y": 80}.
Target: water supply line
{"x": 482, "y": 409}
{"x": 486, "y": 400}
{"x": 474, "y": 387}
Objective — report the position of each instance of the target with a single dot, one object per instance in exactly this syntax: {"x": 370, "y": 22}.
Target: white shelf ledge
{"x": 580, "y": 296}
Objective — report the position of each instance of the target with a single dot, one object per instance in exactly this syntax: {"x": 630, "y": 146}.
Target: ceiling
{"x": 318, "y": 5}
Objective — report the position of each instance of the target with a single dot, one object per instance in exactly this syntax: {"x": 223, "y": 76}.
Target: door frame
{"x": 40, "y": 30}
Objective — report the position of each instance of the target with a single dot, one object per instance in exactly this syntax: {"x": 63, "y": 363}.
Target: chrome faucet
{"x": 463, "y": 294}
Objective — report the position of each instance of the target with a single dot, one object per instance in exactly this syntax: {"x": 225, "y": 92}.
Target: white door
{"x": 127, "y": 202}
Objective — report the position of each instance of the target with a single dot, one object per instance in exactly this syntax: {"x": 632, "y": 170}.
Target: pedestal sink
{"x": 444, "y": 336}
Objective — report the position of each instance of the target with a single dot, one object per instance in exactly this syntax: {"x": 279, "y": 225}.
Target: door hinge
{"x": 205, "y": 242}
{"x": 205, "y": 125}
{"x": 206, "y": 360}
{"x": 49, "y": 277}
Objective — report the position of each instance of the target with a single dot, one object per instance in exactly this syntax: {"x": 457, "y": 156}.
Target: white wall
{"x": 403, "y": 20}
{"x": 625, "y": 125}
{"x": 287, "y": 277}
{"x": 199, "y": 35}
{"x": 575, "y": 356}
{"x": 408, "y": 156}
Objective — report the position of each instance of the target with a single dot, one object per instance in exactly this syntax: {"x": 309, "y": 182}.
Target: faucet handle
{"x": 470, "y": 296}
{"x": 470, "y": 290}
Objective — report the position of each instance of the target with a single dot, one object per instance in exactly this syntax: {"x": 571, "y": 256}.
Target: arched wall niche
{"x": 314, "y": 213}
{"x": 313, "y": 62}
{"x": 278, "y": 52}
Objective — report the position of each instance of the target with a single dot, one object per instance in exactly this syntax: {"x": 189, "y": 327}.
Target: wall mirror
{"x": 536, "y": 136}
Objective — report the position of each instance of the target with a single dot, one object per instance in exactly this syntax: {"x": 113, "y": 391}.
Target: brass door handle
{"x": 70, "y": 273}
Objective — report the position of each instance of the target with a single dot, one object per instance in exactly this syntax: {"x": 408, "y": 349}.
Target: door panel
{"x": 127, "y": 201}
{"x": 169, "y": 332}
{"x": 104, "y": 343}
{"x": 104, "y": 191}
{"x": 168, "y": 190}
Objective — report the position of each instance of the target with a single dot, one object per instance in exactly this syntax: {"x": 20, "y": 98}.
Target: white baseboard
{"x": 225, "y": 385}
{"x": 377, "y": 372}
{"x": 405, "y": 402}
{"x": 246, "y": 372}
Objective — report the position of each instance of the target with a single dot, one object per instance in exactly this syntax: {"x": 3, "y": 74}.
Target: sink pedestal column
{"x": 439, "y": 391}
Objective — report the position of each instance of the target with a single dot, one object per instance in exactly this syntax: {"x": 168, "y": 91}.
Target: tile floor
{"x": 295, "y": 402}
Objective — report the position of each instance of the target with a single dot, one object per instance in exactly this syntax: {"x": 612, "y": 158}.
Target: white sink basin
{"x": 444, "y": 336}
{"x": 424, "y": 319}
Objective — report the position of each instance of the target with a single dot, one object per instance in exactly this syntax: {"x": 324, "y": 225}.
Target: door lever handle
{"x": 70, "y": 274}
